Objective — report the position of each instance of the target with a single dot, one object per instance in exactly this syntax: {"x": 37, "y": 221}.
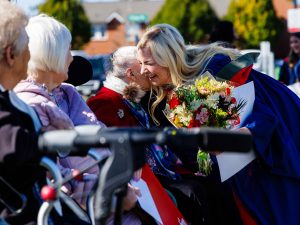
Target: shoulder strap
{"x": 235, "y": 66}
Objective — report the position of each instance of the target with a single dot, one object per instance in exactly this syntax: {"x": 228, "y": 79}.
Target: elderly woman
{"x": 43, "y": 89}
{"x": 19, "y": 156}
{"x": 49, "y": 46}
{"x": 20, "y": 172}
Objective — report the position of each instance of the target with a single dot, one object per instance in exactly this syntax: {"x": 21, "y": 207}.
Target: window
{"x": 133, "y": 32}
{"x": 99, "y": 32}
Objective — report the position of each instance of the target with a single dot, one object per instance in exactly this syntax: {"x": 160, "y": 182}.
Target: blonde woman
{"x": 273, "y": 122}
{"x": 168, "y": 62}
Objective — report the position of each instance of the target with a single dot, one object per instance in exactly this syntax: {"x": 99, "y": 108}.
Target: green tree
{"x": 254, "y": 21}
{"x": 70, "y": 13}
{"x": 193, "y": 18}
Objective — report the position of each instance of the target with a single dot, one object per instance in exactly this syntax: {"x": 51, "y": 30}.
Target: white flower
{"x": 196, "y": 104}
{"x": 183, "y": 114}
{"x": 203, "y": 116}
{"x": 211, "y": 103}
{"x": 214, "y": 97}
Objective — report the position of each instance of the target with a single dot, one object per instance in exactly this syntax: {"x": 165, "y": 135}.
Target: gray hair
{"x": 122, "y": 58}
{"x": 12, "y": 28}
{"x": 49, "y": 44}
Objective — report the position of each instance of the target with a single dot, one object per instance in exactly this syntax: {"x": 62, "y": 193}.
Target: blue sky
{"x": 28, "y": 5}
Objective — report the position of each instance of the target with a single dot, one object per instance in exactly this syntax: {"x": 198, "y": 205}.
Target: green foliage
{"x": 254, "y": 21}
{"x": 193, "y": 18}
{"x": 70, "y": 13}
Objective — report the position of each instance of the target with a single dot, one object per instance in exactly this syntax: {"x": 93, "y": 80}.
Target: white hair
{"x": 12, "y": 28}
{"x": 49, "y": 44}
{"x": 122, "y": 58}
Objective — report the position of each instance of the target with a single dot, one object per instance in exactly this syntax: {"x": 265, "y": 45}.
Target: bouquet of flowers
{"x": 206, "y": 102}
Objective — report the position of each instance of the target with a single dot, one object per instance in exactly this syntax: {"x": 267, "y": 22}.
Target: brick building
{"x": 117, "y": 23}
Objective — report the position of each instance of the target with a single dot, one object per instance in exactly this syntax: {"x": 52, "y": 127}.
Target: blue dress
{"x": 269, "y": 187}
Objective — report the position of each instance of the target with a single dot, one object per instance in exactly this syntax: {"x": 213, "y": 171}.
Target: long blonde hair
{"x": 185, "y": 62}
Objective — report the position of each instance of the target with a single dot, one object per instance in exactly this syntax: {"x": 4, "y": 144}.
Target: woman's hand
{"x": 131, "y": 197}
{"x": 245, "y": 129}
{"x": 57, "y": 118}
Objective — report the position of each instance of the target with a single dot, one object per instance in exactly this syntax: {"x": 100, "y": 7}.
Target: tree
{"x": 193, "y": 18}
{"x": 254, "y": 21}
{"x": 70, "y": 13}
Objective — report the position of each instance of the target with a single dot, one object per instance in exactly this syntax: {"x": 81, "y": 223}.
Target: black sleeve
{"x": 17, "y": 143}
{"x": 284, "y": 73}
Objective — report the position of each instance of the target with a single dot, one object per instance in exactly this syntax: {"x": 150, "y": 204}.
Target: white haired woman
{"x": 21, "y": 175}
{"x": 49, "y": 46}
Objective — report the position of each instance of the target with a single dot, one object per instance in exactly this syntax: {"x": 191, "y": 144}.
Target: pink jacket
{"x": 53, "y": 117}
{"x": 64, "y": 108}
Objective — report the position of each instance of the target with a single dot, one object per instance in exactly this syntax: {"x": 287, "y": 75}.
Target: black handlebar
{"x": 128, "y": 149}
{"x": 208, "y": 139}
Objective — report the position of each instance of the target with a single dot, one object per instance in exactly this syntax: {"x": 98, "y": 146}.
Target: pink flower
{"x": 238, "y": 121}
{"x": 202, "y": 116}
{"x": 204, "y": 91}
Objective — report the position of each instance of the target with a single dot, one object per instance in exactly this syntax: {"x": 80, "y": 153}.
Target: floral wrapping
{"x": 204, "y": 103}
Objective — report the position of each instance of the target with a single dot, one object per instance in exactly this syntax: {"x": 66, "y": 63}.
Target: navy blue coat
{"x": 269, "y": 187}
